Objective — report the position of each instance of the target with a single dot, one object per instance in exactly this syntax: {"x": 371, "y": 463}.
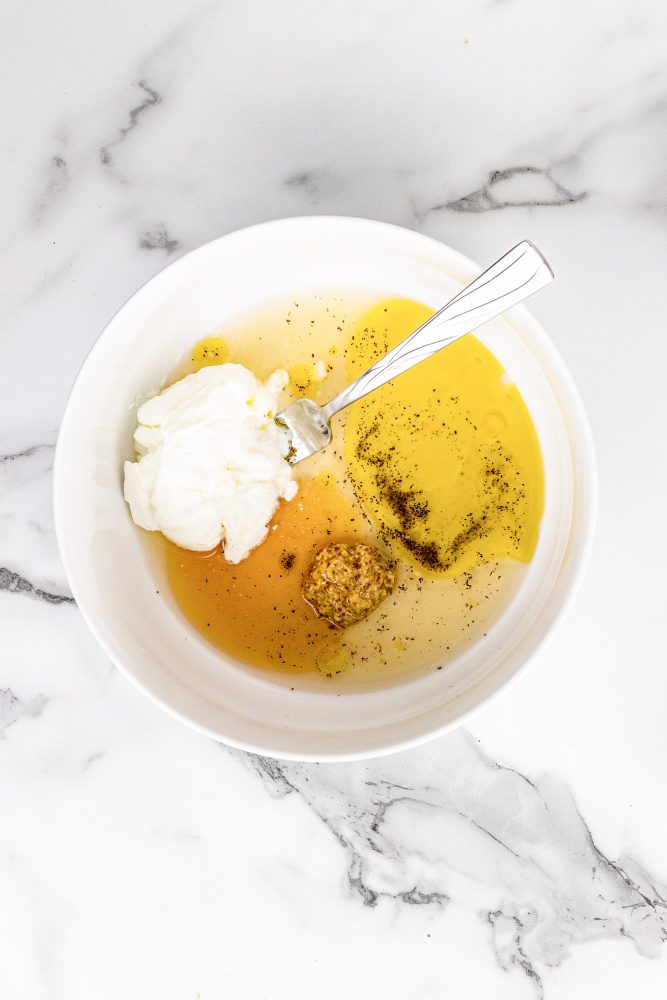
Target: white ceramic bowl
{"x": 105, "y": 561}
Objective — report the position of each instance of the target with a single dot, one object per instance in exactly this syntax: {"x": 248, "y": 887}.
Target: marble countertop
{"x": 522, "y": 857}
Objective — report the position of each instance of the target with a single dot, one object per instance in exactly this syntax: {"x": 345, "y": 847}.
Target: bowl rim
{"x": 585, "y": 528}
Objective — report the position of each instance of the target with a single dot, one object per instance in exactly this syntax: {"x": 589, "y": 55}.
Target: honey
{"x": 254, "y": 610}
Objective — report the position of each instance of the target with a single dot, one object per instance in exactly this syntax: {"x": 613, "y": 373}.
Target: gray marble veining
{"x": 436, "y": 824}
{"x": 137, "y": 859}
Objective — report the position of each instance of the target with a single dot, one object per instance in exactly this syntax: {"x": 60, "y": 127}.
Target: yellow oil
{"x": 253, "y": 611}
{"x": 444, "y": 459}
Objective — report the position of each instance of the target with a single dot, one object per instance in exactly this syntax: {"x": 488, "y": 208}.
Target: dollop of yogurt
{"x": 211, "y": 461}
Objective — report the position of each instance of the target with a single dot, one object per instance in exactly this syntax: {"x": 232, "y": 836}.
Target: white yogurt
{"x": 211, "y": 461}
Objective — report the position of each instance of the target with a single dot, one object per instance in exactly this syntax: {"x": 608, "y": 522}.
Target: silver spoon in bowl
{"x": 521, "y": 272}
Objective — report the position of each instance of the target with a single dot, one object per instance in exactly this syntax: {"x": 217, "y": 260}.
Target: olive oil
{"x": 445, "y": 459}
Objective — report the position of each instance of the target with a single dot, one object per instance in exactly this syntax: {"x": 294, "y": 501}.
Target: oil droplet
{"x": 209, "y": 351}
{"x": 494, "y": 424}
{"x": 303, "y": 378}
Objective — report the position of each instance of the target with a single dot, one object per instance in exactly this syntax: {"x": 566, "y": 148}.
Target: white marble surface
{"x": 522, "y": 858}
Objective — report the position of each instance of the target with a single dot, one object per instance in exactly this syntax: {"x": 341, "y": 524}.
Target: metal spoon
{"x": 510, "y": 280}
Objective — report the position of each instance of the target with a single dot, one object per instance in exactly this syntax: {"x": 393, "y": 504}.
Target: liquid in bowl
{"x": 254, "y": 612}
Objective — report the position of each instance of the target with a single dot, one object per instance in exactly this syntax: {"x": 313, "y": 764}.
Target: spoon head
{"x": 307, "y": 428}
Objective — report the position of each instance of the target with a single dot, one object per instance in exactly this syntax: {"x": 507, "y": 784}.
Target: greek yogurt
{"x": 211, "y": 461}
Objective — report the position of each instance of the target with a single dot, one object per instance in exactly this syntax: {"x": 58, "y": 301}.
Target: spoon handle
{"x": 511, "y": 279}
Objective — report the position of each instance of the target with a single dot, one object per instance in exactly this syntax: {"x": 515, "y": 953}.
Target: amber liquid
{"x": 254, "y": 610}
